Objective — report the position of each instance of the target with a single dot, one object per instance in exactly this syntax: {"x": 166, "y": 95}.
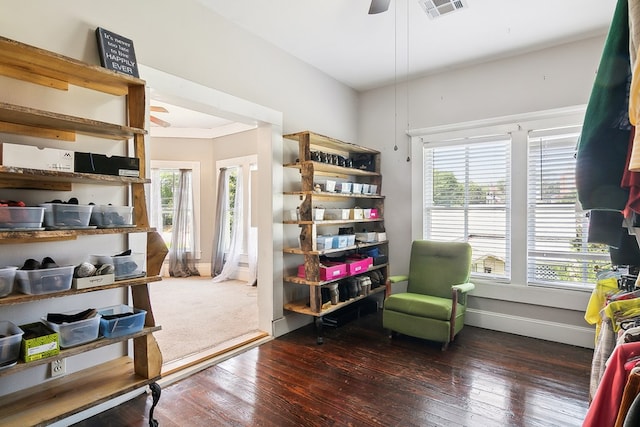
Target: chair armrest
{"x": 396, "y": 279}
{"x": 463, "y": 287}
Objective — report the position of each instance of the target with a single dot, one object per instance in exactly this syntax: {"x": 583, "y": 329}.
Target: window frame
{"x": 195, "y": 181}
{"x": 246, "y": 164}
{"x": 469, "y": 149}
{"x": 518, "y": 126}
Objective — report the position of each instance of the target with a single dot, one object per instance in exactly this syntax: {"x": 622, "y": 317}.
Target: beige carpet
{"x": 197, "y": 314}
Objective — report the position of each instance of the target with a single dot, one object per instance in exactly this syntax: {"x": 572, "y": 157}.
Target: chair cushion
{"x": 421, "y": 305}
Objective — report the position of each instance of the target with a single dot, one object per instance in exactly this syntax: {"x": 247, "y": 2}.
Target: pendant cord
{"x": 407, "y": 86}
{"x": 395, "y": 76}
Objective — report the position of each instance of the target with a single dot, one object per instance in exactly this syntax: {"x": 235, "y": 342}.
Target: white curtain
{"x": 222, "y": 268}
{"x": 181, "y": 257}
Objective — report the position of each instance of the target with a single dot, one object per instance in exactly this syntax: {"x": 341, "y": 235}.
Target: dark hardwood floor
{"x": 359, "y": 377}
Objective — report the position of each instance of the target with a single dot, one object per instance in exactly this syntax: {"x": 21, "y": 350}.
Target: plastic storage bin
{"x": 76, "y": 333}
{"x": 344, "y": 187}
{"x": 324, "y": 242}
{"x": 126, "y": 266}
{"x": 330, "y": 186}
{"x": 9, "y": 343}
{"x": 66, "y": 215}
{"x": 44, "y": 281}
{"x": 107, "y": 216}
{"x": 351, "y": 239}
{"x": 333, "y": 214}
{"x": 118, "y": 320}
{"x": 340, "y": 241}
{"x": 7, "y": 277}
{"x": 318, "y": 214}
{"x": 21, "y": 217}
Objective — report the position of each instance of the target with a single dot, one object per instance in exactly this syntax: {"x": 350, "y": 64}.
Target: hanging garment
{"x": 597, "y": 301}
{"x": 631, "y": 390}
{"x": 631, "y": 181}
{"x": 605, "y": 406}
{"x": 632, "y": 419}
{"x": 620, "y": 310}
{"x": 605, "y": 343}
{"x": 634, "y": 94}
{"x": 603, "y": 144}
{"x": 606, "y": 227}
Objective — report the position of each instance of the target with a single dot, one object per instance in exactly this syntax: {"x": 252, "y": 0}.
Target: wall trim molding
{"x": 290, "y": 322}
{"x": 580, "y": 336}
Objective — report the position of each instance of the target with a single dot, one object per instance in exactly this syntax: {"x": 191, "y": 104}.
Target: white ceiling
{"x": 365, "y": 51}
{"x": 186, "y": 123}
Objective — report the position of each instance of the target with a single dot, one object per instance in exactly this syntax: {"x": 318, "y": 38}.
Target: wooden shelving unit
{"x": 309, "y": 195}
{"x": 58, "y": 398}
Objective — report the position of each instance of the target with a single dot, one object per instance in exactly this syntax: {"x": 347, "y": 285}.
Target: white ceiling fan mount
{"x": 433, "y": 8}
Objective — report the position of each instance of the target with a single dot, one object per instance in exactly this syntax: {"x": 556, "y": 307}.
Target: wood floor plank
{"x": 360, "y": 377}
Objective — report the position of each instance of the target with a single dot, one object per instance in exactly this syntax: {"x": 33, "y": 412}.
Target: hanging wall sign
{"x": 116, "y": 52}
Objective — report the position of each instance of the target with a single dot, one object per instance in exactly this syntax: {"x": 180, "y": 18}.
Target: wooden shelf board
{"x": 25, "y": 116}
{"x": 334, "y": 221}
{"x": 303, "y": 281}
{"x": 331, "y": 143}
{"x": 299, "y": 251}
{"x": 20, "y": 60}
{"x": 68, "y": 352}
{"x": 57, "y": 399}
{"x": 326, "y": 195}
{"x": 12, "y": 237}
{"x": 17, "y": 298}
{"x": 339, "y": 171}
{"x": 12, "y": 176}
{"x": 303, "y": 307}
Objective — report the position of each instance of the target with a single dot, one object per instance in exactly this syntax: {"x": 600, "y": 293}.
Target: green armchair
{"x": 434, "y": 305}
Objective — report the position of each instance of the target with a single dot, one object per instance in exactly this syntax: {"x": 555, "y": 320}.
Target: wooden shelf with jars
{"x": 345, "y": 178}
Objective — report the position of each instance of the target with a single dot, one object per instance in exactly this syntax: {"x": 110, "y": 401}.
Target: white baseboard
{"x": 551, "y": 331}
{"x": 290, "y": 322}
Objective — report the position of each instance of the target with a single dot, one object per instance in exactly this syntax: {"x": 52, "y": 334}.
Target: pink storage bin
{"x": 330, "y": 272}
{"x": 374, "y": 213}
{"x": 357, "y": 266}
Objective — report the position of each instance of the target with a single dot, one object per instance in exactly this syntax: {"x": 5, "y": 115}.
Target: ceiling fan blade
{"x": 158, "y": 109}
{"x": 378, "y": 6}
{"x": 159, "y": 122}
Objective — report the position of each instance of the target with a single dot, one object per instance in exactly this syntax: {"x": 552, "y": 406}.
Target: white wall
{"x": 208, "y": 51}
{"x": 548, "y": 79}
{"x": 216, "y": 54}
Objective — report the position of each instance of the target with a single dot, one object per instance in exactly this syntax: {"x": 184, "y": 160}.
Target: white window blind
{"x": 467, "y": 198}
{"x": 558, "y": 252}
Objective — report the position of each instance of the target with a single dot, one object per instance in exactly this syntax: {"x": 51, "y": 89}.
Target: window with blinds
{"x": 467, "y": 198}
{"x": 558, "y": 252}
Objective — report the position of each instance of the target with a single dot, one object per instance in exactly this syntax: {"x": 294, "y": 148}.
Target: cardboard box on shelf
{"x": 32, "y": 157}
{"x": 38, "y": 342}
{"x": 106, "y": 165}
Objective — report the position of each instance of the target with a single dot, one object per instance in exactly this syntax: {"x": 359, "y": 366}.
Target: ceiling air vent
{"x": 437, "y": 8}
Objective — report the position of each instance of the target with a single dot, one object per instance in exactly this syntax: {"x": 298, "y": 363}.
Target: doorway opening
{"x": 186, "y": 305}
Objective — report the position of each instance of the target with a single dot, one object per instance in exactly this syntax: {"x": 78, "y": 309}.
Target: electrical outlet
{"x": 58, "y": 367}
